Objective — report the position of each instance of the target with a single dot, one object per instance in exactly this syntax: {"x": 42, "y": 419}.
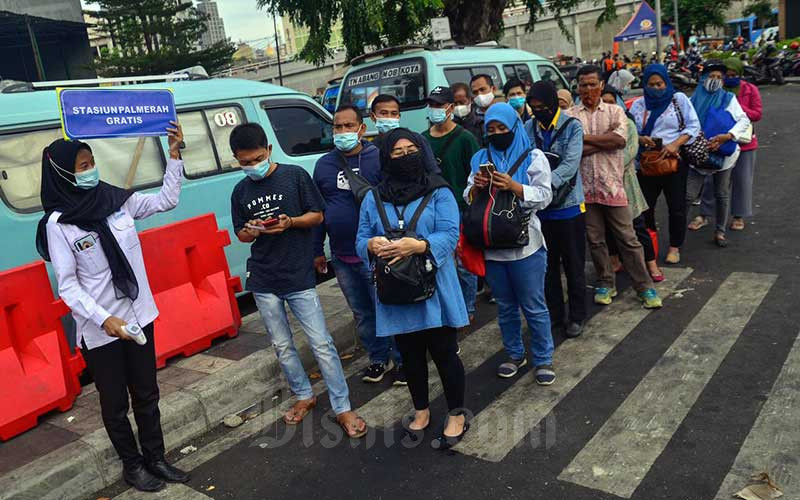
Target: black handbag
{"x": 494, "y": 219}
{"x": 358, "y": 184}
{"x": 413, "y": 278}
{"x": 697, "y": 152}
{"x": 561, "y": 193}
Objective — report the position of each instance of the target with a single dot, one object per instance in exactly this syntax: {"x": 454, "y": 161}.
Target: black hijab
{"x": 85, "y": 208}
{"x": 409, "y": 177}
{"x": 546, "y": 93}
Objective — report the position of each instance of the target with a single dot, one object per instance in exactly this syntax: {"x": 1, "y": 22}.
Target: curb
{"x": 90, "y": 464}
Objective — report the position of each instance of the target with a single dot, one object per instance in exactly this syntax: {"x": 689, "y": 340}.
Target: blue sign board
{"x": 96, "y": 113}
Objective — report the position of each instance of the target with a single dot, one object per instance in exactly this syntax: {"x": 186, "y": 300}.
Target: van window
{"x": 206, "y": 133}
{"x": 404, "y": 79}
{"x": 549, "y": 74}
{"x": 464, "y": 75}
{"x": 300, "y": 130}
{"x": 21, "y": 164}
{"x": 519, "y": 71}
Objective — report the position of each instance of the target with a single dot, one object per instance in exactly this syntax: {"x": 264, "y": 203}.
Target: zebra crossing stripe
{"x": 619, "y": 456}
{"x": 774, "y": 440}
{"x": 390, "y": 406}
{"x": 173, "y": 491}
{"x": 503, "y": 424}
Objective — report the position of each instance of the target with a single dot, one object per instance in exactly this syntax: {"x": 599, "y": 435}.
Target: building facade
{"x": 215, "y": 27}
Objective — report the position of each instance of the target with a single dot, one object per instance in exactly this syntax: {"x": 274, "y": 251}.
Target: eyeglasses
{"x": 398, "y": 152}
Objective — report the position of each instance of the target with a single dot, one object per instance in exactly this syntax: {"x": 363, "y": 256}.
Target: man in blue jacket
{"x": 563, "y": 222}
{"x": 341, "y": 225}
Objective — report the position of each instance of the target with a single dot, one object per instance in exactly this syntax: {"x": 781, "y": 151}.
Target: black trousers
{"x": 566, "y": 245}
{"x": 674, "y": 189}
{"x": 123, "y": 367}
{"x": 442, "y": 345}
{"x": 640, "y": 226}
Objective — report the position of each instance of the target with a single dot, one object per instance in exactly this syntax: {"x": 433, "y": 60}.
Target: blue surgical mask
{"x": 732, "y": 81}
{"x": 88, "y": 178}
{"x": 437, "y": 115}
{"x": 258, "y": 171}
{"x": 386, "y": 124}
{"x": 517, "y": 102}
{"x": 345, "y": 141}
{"x": 654, "y": 93}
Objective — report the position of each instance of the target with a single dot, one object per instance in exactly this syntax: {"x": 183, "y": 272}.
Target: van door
{"x": 299, "y": 130}
{"x": 549, "y": 73}
{"x": 520, "y": 71}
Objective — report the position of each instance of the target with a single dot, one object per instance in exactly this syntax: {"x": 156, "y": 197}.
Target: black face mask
{"x": 406, "y": 168}
{"x": 501, "y": 142}
{"x": 545, "y": 117}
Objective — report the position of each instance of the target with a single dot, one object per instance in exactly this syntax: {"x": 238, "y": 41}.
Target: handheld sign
{"x": 97, "y": 113}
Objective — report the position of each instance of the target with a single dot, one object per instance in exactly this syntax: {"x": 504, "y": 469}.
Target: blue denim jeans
{"x": 355, "y": 280}
{"x": 519, "y": 285}
{"x": 307, "y": 309}
{"x": 469, "y": 286}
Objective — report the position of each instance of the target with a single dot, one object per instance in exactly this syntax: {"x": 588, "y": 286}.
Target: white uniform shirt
{"x": 82, "y": 271}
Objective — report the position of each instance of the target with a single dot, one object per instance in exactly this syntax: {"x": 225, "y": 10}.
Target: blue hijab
{"x": 703, "y": 100}
{"x": 656, "y": 104}
{"x": 503, "y": 112}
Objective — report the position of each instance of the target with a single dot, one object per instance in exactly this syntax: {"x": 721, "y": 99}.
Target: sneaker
{"x": 544, "y": 375}
{"x": 374, "y": 373}
{"x": 604, "y": 296}
{"x": 400, "y": 376}
{"x": 574, "y": 330}
{"x": 511, "y": 367}
{"x": 650, "y": 299}
{"x": 491, "y": 300}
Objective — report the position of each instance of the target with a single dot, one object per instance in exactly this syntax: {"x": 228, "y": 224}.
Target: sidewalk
{"x": 68, "y": 455}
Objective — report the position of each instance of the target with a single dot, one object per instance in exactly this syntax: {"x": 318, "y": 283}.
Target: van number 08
{"x": 226, "y": 119}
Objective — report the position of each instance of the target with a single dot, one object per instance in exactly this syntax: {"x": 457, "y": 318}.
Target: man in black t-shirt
{"x": 275, "y": 208}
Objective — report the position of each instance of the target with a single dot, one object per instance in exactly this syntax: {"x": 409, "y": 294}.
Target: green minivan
{"x": 410, "y": 72}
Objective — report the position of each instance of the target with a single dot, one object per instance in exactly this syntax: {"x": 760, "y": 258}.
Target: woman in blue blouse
{"x": 428, "y": 326}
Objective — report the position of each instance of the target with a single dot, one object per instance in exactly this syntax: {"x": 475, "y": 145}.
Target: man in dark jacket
{"x": 341, "y": 225}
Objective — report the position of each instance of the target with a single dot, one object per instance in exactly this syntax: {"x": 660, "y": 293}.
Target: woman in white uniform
{"x": 88, "y": 235}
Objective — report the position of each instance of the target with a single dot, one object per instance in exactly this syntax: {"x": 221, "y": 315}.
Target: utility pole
{"x": 677, "y": 30}
{"x": 277, "y": 45}
{"x": 658, "y": 29}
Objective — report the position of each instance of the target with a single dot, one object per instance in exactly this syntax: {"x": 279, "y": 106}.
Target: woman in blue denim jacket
{"x": 563, "y": 223}
{"x": 429, "y": 326}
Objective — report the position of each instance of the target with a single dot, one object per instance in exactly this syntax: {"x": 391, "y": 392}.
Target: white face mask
{"x": 461, "y": 110}
{"x": 483, "y": 100}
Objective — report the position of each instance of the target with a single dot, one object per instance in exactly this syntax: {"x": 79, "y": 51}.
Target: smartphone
{"x": 269, "y": 222}
{"x": 487, "y": 168}
{"x": 659, "y": 142}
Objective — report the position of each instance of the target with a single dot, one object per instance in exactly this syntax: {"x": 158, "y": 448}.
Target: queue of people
{"x": 529, "y": 183}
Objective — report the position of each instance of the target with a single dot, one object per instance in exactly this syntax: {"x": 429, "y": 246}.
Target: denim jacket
{"x": 569, "y": 146}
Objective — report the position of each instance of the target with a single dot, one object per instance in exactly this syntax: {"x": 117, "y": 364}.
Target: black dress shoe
{"x": 167, "y": 472}
{"x": 141, "y": 479}
{"x": 574, "y": 330}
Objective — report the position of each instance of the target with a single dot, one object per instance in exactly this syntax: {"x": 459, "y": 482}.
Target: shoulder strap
{"x": 560, "y": 129}
{"x": 681, "y": 123}
{"x": 412, "y": 226}
{"x": 519, "y": 161}
{"x": 381, "y": 210}
{"x": 348, "y": 172}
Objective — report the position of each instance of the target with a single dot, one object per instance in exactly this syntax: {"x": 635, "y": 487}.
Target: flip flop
{"x": 347, "y": 428}
{"x": 698, "y": 223}
{"x": 299, "y": 411}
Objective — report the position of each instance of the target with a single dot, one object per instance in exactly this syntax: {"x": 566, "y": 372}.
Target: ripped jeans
{"x": 307, "y": 309}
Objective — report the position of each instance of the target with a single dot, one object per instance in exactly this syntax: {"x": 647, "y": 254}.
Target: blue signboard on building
{"x": 96, "y": 113}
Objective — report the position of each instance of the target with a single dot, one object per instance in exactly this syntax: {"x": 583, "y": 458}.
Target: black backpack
{"x": 554, "y": 160}
{"x": 494, "y": 219}
{"x": 412, "y": 279}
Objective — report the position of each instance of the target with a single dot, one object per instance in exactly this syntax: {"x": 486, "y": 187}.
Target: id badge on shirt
{"x": 84, "y": 243}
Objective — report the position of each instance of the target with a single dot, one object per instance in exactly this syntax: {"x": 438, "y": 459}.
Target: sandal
{"x": 299, "y": 411}
{"x": 347, "y": 421}
{"x": 737, "y": 224}
{"x": 673, "y": 258}
{"x": 657, "y": 277}
{"x": 720, "y": 240}
{"x": 697, "y": 223}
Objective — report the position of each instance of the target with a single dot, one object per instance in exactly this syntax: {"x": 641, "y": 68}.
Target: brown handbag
{"x": 652, "y": 165}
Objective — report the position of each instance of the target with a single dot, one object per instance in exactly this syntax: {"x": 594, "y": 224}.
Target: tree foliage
{"x": 762, "y": 9}
{"x": 155, "y": 37}
{"x": 381, "y": 23}
{"x": 695, "y": 15}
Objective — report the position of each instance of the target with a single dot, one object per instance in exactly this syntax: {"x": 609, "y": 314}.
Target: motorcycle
{"x": 791, "y": 65}
{"x": 681, "y": 75}
{"x": 765, "y": 66}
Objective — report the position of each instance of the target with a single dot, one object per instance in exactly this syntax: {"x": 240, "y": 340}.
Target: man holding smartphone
{"x": 280, "y": 269}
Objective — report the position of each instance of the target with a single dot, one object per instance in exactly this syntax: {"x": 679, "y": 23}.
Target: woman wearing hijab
{"x": 517, "y": 275}
{"x": 742, "y": 174}
{"x": 621, "y": 80}
{"x": 636, "y": 201}
{"x": 710, "y": 99}
{"x": 564, "y": 99}
{"x": 665, "y": 116}
{"x": 88, "y": 234}
{"x": 428, "y": 326}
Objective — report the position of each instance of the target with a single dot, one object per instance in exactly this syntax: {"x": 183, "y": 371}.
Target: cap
{"x": 441, "y": 95}
{"x": 714, "y": 65}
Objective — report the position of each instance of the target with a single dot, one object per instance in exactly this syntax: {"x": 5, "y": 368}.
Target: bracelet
{"x": 291, "y": 222}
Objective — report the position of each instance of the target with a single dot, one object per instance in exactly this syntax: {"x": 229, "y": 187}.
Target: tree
{"x": 762, "y": 9}
{"x": 380, "y": 23}
{"x": 155, "y": 37}
{"x": 695, "y": 15}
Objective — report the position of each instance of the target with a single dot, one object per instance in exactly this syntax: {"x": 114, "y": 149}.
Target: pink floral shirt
{"x": 602, "y": 173}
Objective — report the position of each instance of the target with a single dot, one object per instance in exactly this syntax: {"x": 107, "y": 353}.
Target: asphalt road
{"x": 680, "y": 404}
